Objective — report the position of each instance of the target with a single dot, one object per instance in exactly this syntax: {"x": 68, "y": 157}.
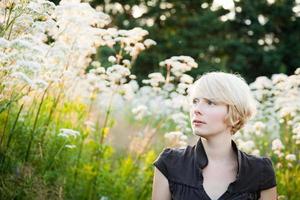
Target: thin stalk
{"x": 34, "y": 125}
{"x": 94, "y": 181}
{"x": 54, "y": 106}
{"x": 107, "y": 115}
{"x": 55, "y": 155}
{"x": 168, "y": 73}
{"x": 14, "y": 126}
{"x": 15, "y": 122}
{"x": 77, "y": 162}
{"x": 2, "y": 161}
{"x": 5, "y": 125}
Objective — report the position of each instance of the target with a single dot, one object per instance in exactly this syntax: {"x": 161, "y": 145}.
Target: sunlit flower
{"x": 63, "y": 132}
{"x": 277, "y": 144}
{"x": 179, "y": 64}
{"x": 148, "y": 43}
{"x": 290, "y": 157}
{"x": 112, "y": 59}
{"x": 256, "y": 152}
{"x": 261, "y": 82}
{"x": 186, "y": 79}
{"x": 155, "y": 79}
{"x": 176, "y": 139}
{"x": 140, "y": 112}
{"x": 70, "y": 146}
{"x": 246, "y": 146}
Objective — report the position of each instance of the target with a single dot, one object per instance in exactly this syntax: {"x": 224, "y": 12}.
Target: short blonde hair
{"x": 230, "y": 89}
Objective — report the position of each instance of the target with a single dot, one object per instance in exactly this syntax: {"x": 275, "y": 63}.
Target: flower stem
{"x": 34, "y": 125}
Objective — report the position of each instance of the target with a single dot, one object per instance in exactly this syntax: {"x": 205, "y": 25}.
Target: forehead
{"x": 202, "y": 94}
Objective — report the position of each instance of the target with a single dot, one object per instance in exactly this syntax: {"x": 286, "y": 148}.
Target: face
{"x": 207, "y": 117}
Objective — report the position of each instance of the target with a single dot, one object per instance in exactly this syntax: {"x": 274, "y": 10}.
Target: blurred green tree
{"x": 253, "y": 38}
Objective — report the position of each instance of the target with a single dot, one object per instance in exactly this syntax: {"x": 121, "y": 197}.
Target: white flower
{"x": 277, "y": 144}
{"x": 247, "y": 146}
{"x": 140, "y": 111}
{"x": 68, "y": 132}
{"x": 132, "y": 76}
{"x": 182, "y": 88}
{"x": 255, "y": 152}
{"x": 22, "y": 77}
{"x": 3, "y": 42}
{"x": 176, "y": 138}
{"x": 290, "y": 157}
{"x": 70, "y": 146}
{"x": 173, "y": 135}
{"x": 126, "y": 62}
{"x": 261, "y": 82}
{"x": 186, "y": 79}
{"x": 112, "y": 59}
{"x": 149, "y": 42}
{"x": 277, "y": 78}
{"x": 96, "y": 64}
{"x": 117, "y": 73}
{"x": 179, "y": 64}
{"x": 155, "y": 79}
{"x": 38, "y": 83}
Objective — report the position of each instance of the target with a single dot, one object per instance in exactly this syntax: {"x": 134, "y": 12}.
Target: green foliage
{"x": 189, "y": 28}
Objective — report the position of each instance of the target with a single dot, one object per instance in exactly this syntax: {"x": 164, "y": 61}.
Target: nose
{"x": 197, "y": 112}
{"x": 197, "y": 109}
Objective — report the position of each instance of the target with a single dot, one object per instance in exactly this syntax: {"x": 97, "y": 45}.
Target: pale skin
{"x": 217, "y": 145}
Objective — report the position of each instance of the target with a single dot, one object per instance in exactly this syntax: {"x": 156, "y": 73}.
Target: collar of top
{"x": 202, "y": 160}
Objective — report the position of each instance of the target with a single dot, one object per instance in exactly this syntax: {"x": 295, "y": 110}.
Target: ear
{"x": 236, "y": 122}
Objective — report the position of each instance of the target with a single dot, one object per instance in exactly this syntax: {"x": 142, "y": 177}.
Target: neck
{"x": 219, "y": 148}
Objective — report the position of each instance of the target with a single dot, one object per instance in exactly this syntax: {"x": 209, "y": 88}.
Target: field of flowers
{"x": 75, "y": 127}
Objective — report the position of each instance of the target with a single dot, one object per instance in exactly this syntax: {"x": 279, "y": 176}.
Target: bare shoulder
{"x": 160, "y": 189}
{"x": 269, "y": 194}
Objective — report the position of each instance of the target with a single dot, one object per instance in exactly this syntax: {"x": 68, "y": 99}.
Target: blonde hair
{"x": 230, "y": 89}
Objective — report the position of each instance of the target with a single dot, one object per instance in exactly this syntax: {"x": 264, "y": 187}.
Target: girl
{"x": 214, "y": 168}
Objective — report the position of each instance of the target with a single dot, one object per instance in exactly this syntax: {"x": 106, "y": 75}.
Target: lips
{"x": 196, "y": 121}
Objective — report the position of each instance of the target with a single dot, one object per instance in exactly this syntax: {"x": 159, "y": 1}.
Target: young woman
{"x": 214, "y": 168}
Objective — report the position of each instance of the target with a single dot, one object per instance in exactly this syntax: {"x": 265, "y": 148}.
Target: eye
{"x": 209, "y": 102}
{"x": 195, "y": 101}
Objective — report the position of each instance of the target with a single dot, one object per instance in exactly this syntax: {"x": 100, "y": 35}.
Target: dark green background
{"x": 230, "y": 46}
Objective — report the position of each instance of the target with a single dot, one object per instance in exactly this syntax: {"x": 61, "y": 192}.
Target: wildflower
{"x": 179, "y": 64}
{"x": 277, "y": 78}
{"x": 259, "y": 127}
{"x": 3, "y": 42}
{"x": 22, "y": 77}
{"x": 96, "y": 64}
{"x": 290, "y": 157}
{"x": 176, "y": 138}
{"x": 70, "y": 146}
{"x": 68, "y": 133}
{"x": 112, "y": 59}
{"x": 155, "y": 79}
{"x": 126, "y": 62}
{"x": 149, "y": 42}
{"x": 256, "y": 152}
{"x": 247, "y": 146}
{"x": 261, "y": 82}
{"x": 277, "y": 144}
{"x": 117, "y": 73}
{"x": 140, "y": 112}
{"x": 186, "y": 79}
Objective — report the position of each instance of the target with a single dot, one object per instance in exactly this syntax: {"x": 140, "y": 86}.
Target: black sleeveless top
{"x": 183, "y": 169}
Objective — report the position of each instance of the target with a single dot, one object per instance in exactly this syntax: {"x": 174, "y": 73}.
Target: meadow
{"x": 73, "y": 127}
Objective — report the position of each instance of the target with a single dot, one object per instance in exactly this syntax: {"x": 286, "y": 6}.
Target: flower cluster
{"x": 176, "y": 139}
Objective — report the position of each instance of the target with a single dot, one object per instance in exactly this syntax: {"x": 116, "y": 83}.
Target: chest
{"x": 216, "y": 179}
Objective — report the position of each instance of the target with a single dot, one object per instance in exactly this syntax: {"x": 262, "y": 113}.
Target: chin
{"x": 199, "y": 133}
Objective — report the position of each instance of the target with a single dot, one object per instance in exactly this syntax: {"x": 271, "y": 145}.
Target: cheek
{"x": 218, "y": 115}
